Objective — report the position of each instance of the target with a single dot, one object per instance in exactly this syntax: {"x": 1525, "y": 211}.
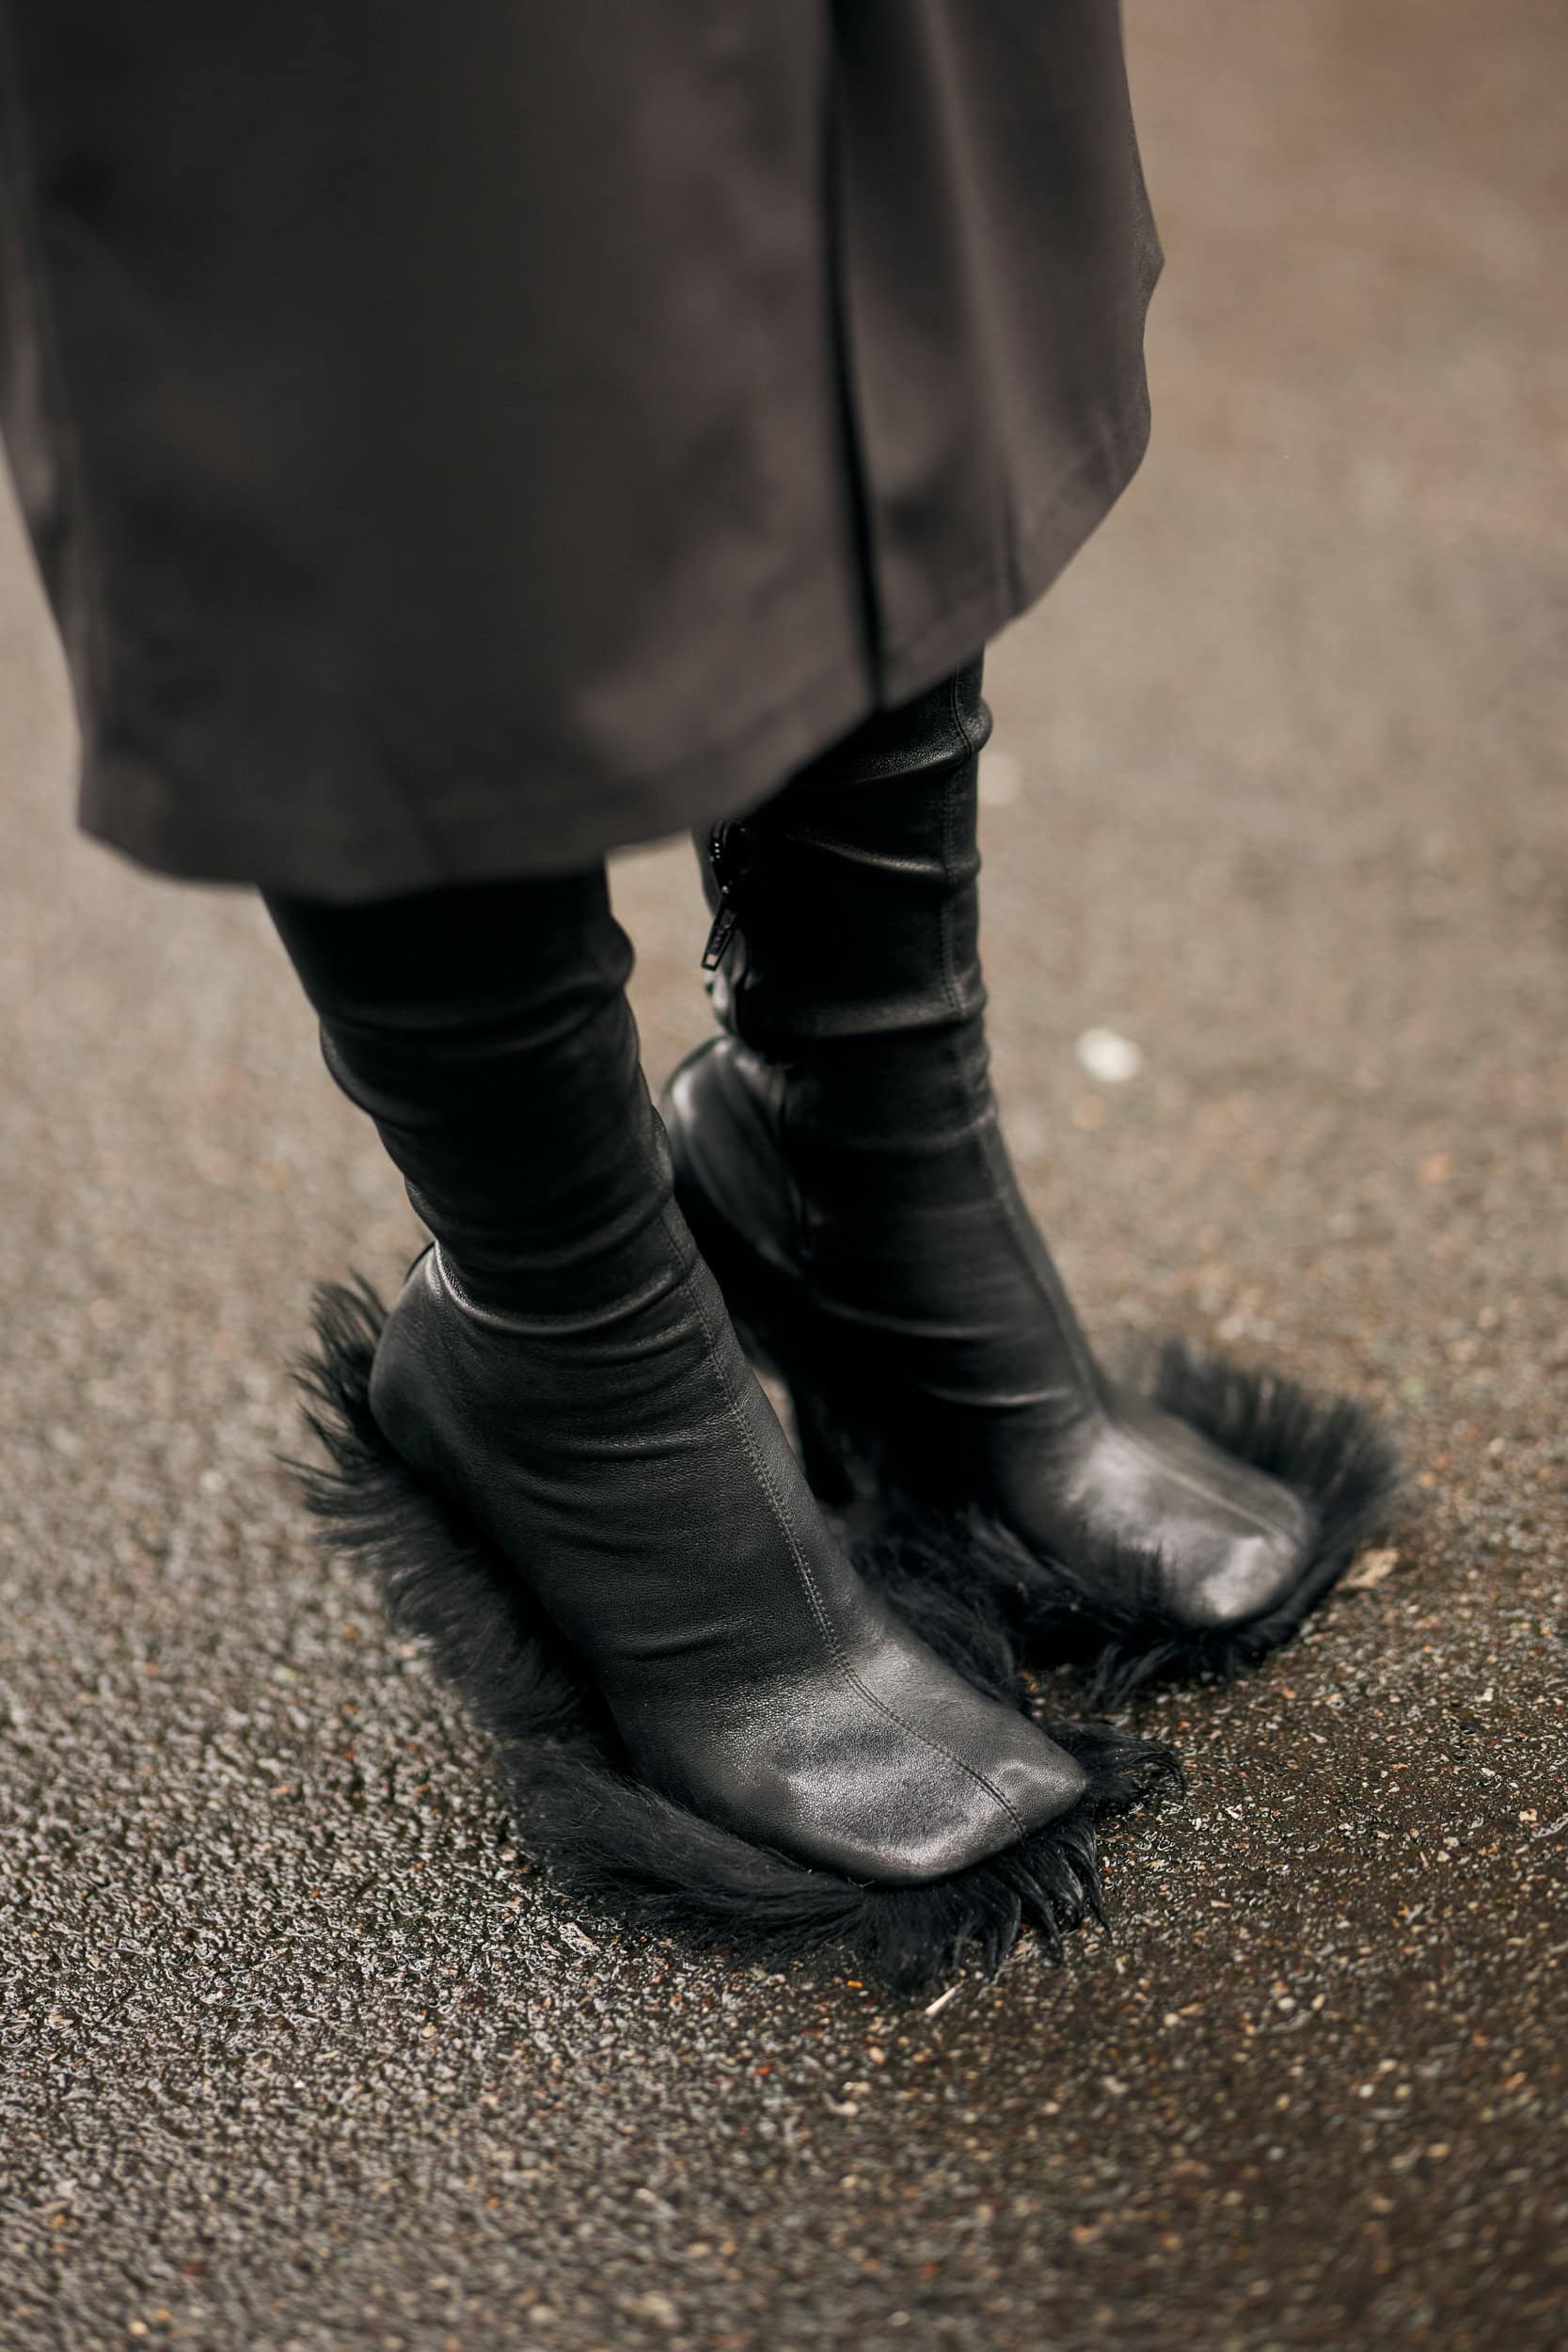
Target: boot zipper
{"x": 726, "y": 846}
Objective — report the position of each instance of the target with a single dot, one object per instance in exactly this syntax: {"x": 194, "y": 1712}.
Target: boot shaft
{"x": 847, "y": 907}
{"x": 853, "y": 972}
{"x": 851, "y": 989}
{"x": 486, "y": 1031}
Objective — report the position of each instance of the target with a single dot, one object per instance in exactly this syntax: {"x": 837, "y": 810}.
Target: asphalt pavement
{"x": 298, "y": 2052}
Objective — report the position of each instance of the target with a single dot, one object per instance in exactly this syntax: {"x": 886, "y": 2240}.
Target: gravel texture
{"x": 298, "y": 2052}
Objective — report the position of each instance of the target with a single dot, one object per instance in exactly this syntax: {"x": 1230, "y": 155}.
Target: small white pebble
{"x": 1111, "y": 1058}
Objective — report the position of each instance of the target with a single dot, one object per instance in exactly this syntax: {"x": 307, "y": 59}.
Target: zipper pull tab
{"x": 725, "y": 926}
{"x": 722, "y": 842}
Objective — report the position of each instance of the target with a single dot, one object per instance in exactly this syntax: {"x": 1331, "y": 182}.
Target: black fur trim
{"x": 604, "y": 1836}
{"x": 1100, "y": 1605}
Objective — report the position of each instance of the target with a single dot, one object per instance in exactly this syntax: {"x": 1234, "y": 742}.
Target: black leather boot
{"x": 838, "y": 1155}
{"x": 556, "y": 1409}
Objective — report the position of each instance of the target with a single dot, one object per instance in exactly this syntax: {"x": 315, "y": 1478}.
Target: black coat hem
{"x": 130, "y": 803}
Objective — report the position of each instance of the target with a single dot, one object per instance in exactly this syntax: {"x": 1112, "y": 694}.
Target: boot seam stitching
{"x": 1196, "y": 1485}
{"x": 835, "y": 1645}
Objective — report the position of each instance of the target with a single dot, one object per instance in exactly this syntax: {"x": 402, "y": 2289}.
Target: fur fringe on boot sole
{"x": 1099, "y": 1606}
{"x": 607, "y": 1838}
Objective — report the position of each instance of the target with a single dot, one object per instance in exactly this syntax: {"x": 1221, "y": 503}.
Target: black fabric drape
{"x": 458, "y": 442}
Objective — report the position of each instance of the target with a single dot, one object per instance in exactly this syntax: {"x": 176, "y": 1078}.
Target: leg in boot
{"x": 839, "y": 1155}
{"x": 559, "y": 1378}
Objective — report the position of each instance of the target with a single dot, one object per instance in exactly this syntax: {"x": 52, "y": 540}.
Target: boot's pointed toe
{"x": 1229, "y": 1544}
{"x": 1038, "y": 1781}
{"x": 1225, "y": 1584}
{"x": 854, "y": 1788}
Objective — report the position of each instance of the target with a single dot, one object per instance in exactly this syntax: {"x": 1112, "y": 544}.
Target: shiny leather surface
{"x": 585, "y": 1399}
{"x": 840, "y": 1150}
